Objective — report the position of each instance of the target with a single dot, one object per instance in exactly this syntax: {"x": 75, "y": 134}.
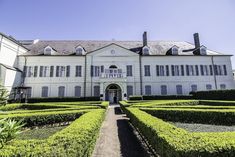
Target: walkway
{"x": 117, "y": 138}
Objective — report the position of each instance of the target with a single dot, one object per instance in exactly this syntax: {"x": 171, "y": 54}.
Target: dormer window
{"x": 48, "y": 50}
{"x": 174, "y": 50}
{"x": 79, "y": 50}
{"x": 203, "y": 50}
{"x": 146, "y": 50}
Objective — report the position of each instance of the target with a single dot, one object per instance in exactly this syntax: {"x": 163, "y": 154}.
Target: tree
{"x": 3, "y": 95}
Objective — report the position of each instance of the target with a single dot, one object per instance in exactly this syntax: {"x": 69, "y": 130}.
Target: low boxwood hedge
{"x": 208, "y": 116}
{"x": 78, "y": 139}
{"x": 215, "y": 95}
{"x": 170, "y": 141}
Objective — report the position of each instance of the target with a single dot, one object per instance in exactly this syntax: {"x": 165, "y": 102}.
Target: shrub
{"x": 62, "y": 99}
{"x": 169, "y": 140}
{"x": 215, "y": 95}
{"x": 78, "y": 139}
{"x": 136, "y": 97}
{"x": 167, "y": 97}
{"x": 208, "y": 116}
{"x": 10, "y": 107}
{"x": 9, "y": 129}
{"x": 3, "y": 95}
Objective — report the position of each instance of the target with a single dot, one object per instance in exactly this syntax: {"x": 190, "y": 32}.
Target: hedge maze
{"x": 77, "y": 139}
{"x": 152, "y": 118}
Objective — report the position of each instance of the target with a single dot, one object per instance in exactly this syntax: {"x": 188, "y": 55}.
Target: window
{"x": 47, "y": 51}
{"x": 77, "y": 91}
{"x": 194, "y": 88}
{"x": 225, "y": 70}
{"x": 191, "y": 70}
{"x": 216, "y": 70}
{"x": 97, "y": 91}
{"x": 175, "y": 70}
{"x": 222, "y": 86}
{"x": 51, "y": 71}
{"x": 29, "y": 92}
{"x": 182, "y": 70}
{"x": 44, "y": 71}
{"x": 44, "y": 91}
{"x": 79, "y": 51}
{"x": 179, "y": 89}
{"x": 160, "y": 71}
{"x": 163, "y": 90}
{"x": 147, "y": 70}
{"x": 67, "y": 71}
{"x": 167, "y": 70}
{"x": 35, "y": 71}
{"x": 78, "y": 72}
{"x": 30, "y": 71}
{"x": 146, "y": 51}
{"x": 197, "y": 70}
{"x": 61, "y": 91}
{"x": 203, "y": 50}
{"x": 129, "y": 70}
{"x": 211, "y": 70}
{"x": 174, "y": 51}
{"x": 95, "y": 71}
{"x": 147, "y": 90}
{"x": 129, "y": 90}
{"x": 61, "y": 71}
{"x": 208, "y": 87}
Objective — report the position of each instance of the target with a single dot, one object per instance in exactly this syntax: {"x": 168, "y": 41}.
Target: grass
{"x": 39, "y": 133}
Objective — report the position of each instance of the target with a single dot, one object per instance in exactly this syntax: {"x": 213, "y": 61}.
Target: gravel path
{"x": 204, "y": 127}
{"x": 117, "y": 138}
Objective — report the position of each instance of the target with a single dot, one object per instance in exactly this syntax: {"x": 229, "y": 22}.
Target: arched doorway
{"x": 113, "y": 93}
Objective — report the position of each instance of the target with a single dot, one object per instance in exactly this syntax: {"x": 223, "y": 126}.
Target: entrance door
{"x": 113, "y": 93}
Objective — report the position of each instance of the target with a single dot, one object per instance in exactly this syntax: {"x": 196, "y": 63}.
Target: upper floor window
{"x": 62, "y": 71}
{"x": 160, "y": 70}
{"x": 175, "y": 70}
{"x": 129, "y": 70}
{"x": 146, "y": 70}
{"x": 174, "y": 50}
{"x": 48, "y": 50}
{"x": 44, "y": 71}
{"x": 78, "y": 72}
{"x": 95, "y": 71}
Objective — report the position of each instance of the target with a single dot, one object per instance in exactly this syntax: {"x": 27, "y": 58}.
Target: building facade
{"x": 112, "y": 70}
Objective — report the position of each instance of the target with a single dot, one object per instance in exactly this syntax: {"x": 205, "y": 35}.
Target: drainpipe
{"x": 140, "y": 63}
{"x": 212, "y": 61}
{"x": 85, "y": 73}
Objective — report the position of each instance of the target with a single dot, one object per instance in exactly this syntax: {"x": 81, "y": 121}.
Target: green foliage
{"x": 3, "y": 95}
{"x": 9, "y": 129}
{"x": 166, "y": 97}
{"x": 10, "y": 107}
{"x": 136, "y": 97}
{"x": 215, "y": 95}
{"x": 169, "y": 140}
{"x": 78, "y": 139}
{"x": 204, "y": 116}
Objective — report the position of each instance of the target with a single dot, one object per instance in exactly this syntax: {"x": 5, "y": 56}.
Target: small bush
{"x": 136, "y": 97}
{"x": 215, "y": 95}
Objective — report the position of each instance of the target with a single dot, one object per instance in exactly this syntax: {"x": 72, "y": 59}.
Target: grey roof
{"x": 67, "y": 47}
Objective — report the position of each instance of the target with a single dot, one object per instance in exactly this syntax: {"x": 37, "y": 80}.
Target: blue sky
{"x": 122, "y": 20}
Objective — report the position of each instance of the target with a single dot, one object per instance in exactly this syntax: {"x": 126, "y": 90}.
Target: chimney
{"x": 145, "y": 39}
{"x": 196, "y": 40}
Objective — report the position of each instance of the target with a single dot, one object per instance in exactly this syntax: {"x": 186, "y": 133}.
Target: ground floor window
{"x": 44, "y": 91}
{"x": 222, "y": 86}
{"x": 194, "y": 88}
{"x": 77, "y": 91}
{"x": 29, "y": 92}
{"x": 147, "y": 90}
{"x": 96, "y": 90}
{"x": 129, "y": 90}
{"x": 179, "y": 89}
{"x": 61, "y": 91}
{"x": 208, "y": 87}
{"x": 163, "y": 90}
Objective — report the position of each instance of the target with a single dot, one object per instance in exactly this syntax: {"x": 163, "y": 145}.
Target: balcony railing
{"x": 113, "y": 73}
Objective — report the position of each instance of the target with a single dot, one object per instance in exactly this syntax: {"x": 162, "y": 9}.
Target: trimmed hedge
{"x": 10, "y": 107}
{"x": 169, "y": 141}
{"x": 78, "y": 139}
{"x": 217, "y": 103}
{"x": 215, "y": 95}
{"x": 44, "y": 118}
{"x": 59, "y": 99}
{"x": 167, "y": 97}
{"x": 208, "y": 116}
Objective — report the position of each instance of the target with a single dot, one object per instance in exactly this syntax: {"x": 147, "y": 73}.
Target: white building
{"x": 112, "y": 70}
